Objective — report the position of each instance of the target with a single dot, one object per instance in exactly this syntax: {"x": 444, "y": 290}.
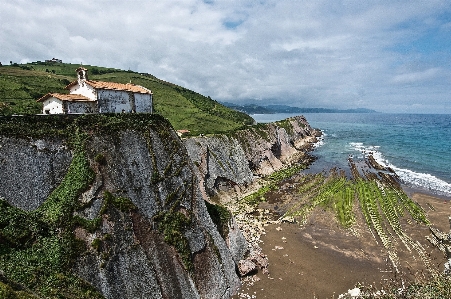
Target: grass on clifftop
{"x": 21, "y": 85}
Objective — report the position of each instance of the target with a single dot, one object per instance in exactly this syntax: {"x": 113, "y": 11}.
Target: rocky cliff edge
{"x": 232, "y": 162}
{"x": 114, "y": 206}
{"x": 105, "y": 206}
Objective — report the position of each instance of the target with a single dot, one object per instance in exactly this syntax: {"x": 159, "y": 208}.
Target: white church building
{"x": 87, "y": 96}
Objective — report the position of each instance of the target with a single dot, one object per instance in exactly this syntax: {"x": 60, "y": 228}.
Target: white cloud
{"x": 321, "y": 53}
{"x": 415, "y": 77}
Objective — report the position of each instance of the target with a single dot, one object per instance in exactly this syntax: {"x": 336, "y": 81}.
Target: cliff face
{"x": 113, "y": 206}
{"x": 228, "y": 163}
{"x": 118, "y": 198}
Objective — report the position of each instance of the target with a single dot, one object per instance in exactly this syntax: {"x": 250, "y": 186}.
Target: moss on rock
{"x": 220, "y": 217}
{"x": 173, "y": 225}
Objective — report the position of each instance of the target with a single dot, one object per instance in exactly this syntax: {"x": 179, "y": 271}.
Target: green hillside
{"x": 22, "y": 84}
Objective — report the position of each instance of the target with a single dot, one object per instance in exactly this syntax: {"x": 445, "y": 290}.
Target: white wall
{"x": 54, "y": 105}
{"x": 85, "y": 90}
{"x": 113, "y": 101}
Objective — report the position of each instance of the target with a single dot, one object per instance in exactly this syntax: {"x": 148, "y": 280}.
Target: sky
{"x": 390, "y": 56}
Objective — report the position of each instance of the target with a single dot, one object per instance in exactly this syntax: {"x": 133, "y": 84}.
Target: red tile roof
{"x": 66, "y": 97}
{"x": 113, "y": 86}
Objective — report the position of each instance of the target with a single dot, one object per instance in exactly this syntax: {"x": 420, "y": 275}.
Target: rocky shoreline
{"x": 231, "y": 168}
{"x": 198, "y": 217}
{"x": 235, "y": 171}
{"x": 269, "y": 232}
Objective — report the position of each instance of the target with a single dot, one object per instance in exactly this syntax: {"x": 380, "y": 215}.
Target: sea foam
{"x": 320, "y": 140}
{"x": 409, "y": 177}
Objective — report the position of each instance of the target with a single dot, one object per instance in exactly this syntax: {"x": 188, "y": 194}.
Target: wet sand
{"x": 323, "y": 260}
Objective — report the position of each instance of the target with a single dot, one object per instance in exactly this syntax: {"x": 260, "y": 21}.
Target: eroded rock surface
{"x": 155, "y": 238}
{"x": 233, "y": 162}
{"x": 30, "y": 168}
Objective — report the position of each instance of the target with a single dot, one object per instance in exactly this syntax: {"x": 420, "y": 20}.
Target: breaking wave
{"x": 320, "y": 140}
{"x": 409, "y": 177}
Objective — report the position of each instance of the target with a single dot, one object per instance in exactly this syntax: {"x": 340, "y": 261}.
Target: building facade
{"x": 88, "y": 96}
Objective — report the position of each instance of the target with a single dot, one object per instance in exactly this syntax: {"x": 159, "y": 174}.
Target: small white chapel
{"x": 88, "y": 96}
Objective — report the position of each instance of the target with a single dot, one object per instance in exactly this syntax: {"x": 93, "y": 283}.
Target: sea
{"x": 416, "y": 146}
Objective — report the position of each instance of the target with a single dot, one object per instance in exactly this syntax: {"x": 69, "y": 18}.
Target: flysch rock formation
{"x": 166, "y": 245}
{"x": 229, "y": 167}
{"x": 131, "y": 253}
{"x": 233, "y": 162}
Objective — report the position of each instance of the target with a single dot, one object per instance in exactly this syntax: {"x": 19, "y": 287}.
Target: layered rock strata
{"x": 130, "y": 198}
{"x": 233, "y": 162}
{"x": 141, "y": 225}
{"x": 229, "y": 167}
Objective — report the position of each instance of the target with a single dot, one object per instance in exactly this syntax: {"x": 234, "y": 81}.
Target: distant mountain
{"x": 271, "y": 109}
{"x": 249, "y": 108}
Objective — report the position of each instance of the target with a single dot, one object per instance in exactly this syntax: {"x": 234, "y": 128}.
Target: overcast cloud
{"x": 391, "y": 56}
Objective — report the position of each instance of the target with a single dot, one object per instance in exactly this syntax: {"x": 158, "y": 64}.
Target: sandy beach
{"x": 323, "y": 260}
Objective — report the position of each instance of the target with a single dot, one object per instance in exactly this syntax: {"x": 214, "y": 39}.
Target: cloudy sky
{"x": 391, "y": 56}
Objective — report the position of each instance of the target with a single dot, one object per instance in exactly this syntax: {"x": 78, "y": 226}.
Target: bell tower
{"x": 82, "y": 74}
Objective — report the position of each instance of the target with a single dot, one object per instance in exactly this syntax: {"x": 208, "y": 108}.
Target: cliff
{"x": 114, "y": 206}
{"x": 230, "y": 163}
{"x": 105, "y": 206}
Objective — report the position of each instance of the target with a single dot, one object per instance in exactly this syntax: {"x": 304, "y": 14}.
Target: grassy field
{"x": 21, "y": 85}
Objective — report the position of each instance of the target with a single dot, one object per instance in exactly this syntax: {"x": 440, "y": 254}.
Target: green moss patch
{"x": 38, "y": 247}
{"x": 121, "y": 203}
{"x": 173, "y": 225}
{"x": 271, "y": 183}
{"x": 63, "y": 200}
{"x": 220, "y": 217}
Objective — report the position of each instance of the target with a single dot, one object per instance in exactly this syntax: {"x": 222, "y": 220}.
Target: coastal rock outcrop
{"x": 231, "y": 163}
{"x": 114, "y": 206}
{"x": 121, "y": 194}
{"x": 229, "y": 167}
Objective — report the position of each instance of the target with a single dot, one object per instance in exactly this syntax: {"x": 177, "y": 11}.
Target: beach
{"x": 322, "y": 260}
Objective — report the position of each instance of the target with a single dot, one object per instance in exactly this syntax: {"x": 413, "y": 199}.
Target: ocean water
{"x": 416, "y": 146}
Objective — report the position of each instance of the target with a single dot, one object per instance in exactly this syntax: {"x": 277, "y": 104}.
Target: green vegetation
{"x": 286, "y": 124}
{"x": 271, "y": 182}
{"x": 7, "y": 292}
{"x": 438, "y": 287}
{"x": 382, "y": 205}
{"x": 64, "y": 125}
{"x": 221, "y": 217}
{"x": 63, "y": 199}
{"x": 21, "y": 85}
{"x": 121, "y": 203}
{"x": 173, "y": 225}
{"x": 261, "y": 130}
{"x": 38, "y": 248}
